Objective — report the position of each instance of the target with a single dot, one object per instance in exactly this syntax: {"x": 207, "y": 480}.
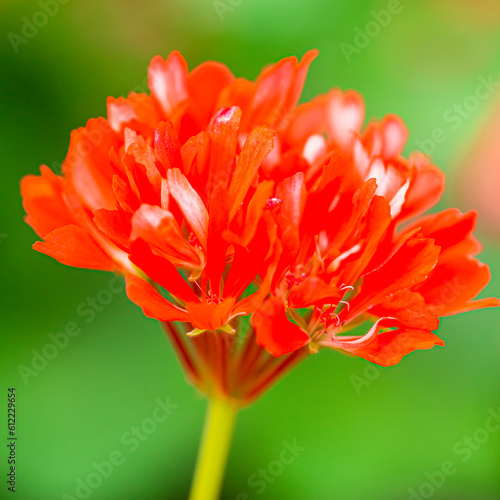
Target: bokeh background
{"x": 366, "y": 433}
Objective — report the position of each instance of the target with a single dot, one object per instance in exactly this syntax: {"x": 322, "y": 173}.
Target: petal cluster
{"x": 222, "y": 199}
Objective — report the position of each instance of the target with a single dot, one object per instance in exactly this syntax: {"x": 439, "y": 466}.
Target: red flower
{"x": 236, "y": 201}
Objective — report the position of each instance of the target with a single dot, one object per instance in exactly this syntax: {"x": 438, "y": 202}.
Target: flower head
{"x": 223, "y": 200}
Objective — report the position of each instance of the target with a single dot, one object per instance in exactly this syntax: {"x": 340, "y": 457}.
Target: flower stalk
{"x": 214, "y": 450}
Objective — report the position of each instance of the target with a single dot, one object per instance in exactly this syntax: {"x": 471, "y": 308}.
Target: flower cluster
{"x": 259, "y": 230}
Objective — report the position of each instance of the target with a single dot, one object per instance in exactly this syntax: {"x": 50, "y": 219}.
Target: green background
{"x": 373, "y": 443}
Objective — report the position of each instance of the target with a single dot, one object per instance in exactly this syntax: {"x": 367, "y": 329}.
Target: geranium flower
{"x": 258, "y": 230}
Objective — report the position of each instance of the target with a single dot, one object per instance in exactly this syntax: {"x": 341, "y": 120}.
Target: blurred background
{"x": 362, "y": 432}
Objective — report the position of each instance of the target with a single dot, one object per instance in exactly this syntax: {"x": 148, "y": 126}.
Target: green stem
{"x": 214, "y": 450}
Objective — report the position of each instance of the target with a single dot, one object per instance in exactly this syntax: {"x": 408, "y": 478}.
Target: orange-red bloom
{"x": 237, "y": 202}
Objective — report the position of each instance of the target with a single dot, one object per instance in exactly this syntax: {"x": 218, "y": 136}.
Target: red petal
{"x": 224, "y": 131}
{"x": 241, "y": 233}
{"x": 272, "y": 87}
{"x": 153, "y": 305}
{"x": 195, "y": 153}
{"x": 139, "y": 181}
{"x": 88, "y": 166}
{"x": 388, "y": 348}
{"x": 114, "y": 224}
{"x": 299, "y": 79}
{"x": 73, "y": 246}
{"x": 293, "y": 193}
{"x": 313, "y": 290}
{"x": 190, "y": 204}
{"x": 159, "y": 228}
{"x": 205, "y": 83}
{"x": 43, "y": 202}
{"x": 309, "y": 118}
{"x": 125, "y": 197}
{"x": 244, "y": 268}
{"x": 210, "y": 316}
{"x": 409, "y": 308}
{"x": 161, "y": 270}
{"x": 346, "y": 114}
{"x": 137, "y": 111}
{"x": 275, "y": 332}
{"x": 145, "y": 155}
{"x": 458, "y": 278}
{"x": 254, "y": 301}
{"x": 425, "y": 189}
{"x": 238, "y": 93}
{"x": 167, "y": 146}
{"x": 167, "y": 81}
{"x": 357, "y": 205}
{"x": 369, "y": 235}
{"x": 454, "y": 283}
{"x": 224, "y": 139}
{"x": 450, "y": 230}
{"x": 395, "y": 134}
{"x": 409, "y": 266}
{"x": 257, "y": 146}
